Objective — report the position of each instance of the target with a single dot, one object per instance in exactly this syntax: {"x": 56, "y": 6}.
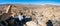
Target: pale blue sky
{"x": 30, "y": 2}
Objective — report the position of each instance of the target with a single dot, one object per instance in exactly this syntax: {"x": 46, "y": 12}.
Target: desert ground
{"x": 41, "y": 15}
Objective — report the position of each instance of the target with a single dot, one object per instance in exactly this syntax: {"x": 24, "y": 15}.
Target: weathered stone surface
{"x": 31, "y": 23}
{"x": 39, "y": 14}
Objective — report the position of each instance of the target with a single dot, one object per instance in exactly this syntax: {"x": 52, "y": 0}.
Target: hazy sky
{"x": 30, "y": 2}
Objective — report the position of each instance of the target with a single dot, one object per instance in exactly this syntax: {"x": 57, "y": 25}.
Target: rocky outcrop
{"x": 39, "y": 14}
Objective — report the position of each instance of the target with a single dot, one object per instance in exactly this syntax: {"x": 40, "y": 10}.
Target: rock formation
{"x": 39, "y": 14}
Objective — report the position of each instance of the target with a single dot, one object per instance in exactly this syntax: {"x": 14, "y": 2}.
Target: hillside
{"x": 40, "y": 14}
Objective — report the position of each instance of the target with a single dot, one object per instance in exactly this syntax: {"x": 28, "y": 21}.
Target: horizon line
{"x": 30, "y": 3}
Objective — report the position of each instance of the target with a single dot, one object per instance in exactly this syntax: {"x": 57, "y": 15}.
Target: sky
{"x": 56, "y": 2}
